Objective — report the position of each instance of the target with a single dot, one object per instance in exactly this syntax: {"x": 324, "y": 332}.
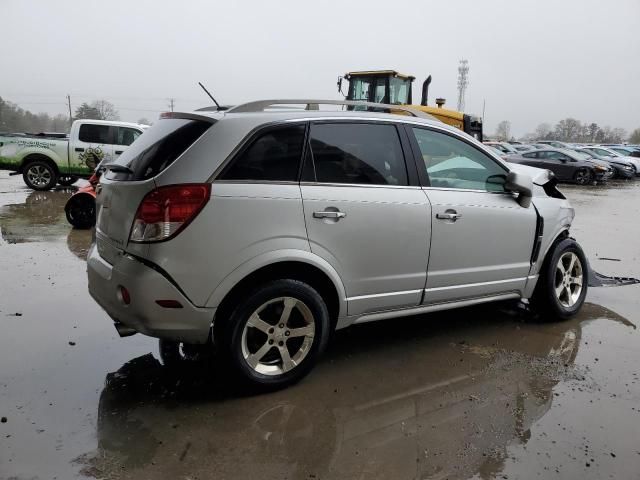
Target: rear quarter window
{"x": 273, "y": 155}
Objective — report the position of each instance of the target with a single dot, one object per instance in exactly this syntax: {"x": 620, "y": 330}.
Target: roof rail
{"x": 262, "y": 105}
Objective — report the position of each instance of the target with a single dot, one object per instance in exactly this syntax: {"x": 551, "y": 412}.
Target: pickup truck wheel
{"x": 275, "y": 335}
{"x": 563, "y": 281}
{"x": 39, "y": 175}
{"x": 67, "y": 180}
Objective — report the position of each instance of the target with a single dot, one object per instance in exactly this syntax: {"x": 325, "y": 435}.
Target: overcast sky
{"x": 531, "y": 61}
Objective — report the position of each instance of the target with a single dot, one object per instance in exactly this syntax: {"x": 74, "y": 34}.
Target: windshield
{"x": 588, "y": 153}
{"x": 359, "y": 88}
{"x": 606, "y": 152}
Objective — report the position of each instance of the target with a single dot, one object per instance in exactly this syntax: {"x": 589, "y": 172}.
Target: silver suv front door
{"x": 482, "y": 239}
{"x": 364, "y": 218}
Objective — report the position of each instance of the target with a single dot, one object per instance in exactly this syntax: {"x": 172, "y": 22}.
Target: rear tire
{"x": 39, "y": 175}
{"x": 67, "y": 180}
{"x": 275, "y": 335}
{"x": 563, "y": 282}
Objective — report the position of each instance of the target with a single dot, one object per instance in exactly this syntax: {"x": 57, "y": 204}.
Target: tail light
{"x": 165, "y": 211}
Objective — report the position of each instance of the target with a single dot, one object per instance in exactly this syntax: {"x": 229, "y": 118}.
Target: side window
{"x": 530, "y": 155}
{"x": 91, "y": 133}
{"x": 453, "y": 163}
{"x": 362, "y": 153}
{"x": 556, "y": 156}
{"x": 126, "y": 136}
{"x": 273, "y": 156}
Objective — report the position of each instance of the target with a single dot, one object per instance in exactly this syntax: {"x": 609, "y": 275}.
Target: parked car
{"x": 622, "y": 167}
{"x": 555, "y": 144}
{"x": 504, "y": 147}
{"x": 522, "y": 147}
{"x": 47, "y": 159}
{"x": 607, "y": 152}
{"x": 497, "y": 151}
{"x": 625, "y": 150}
{"x": 263, "y": 230}
{"x": 567, "y": 165}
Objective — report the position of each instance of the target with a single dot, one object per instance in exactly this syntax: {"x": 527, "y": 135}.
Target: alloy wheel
{"x": 278, "y": 336}
{"x": 568, "y": 279}
{"x": 582, "y": 177}
{"x": 39, "y": 175}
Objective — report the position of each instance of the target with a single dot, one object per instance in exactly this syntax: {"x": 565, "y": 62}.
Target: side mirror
{"x": 521, "y": 184}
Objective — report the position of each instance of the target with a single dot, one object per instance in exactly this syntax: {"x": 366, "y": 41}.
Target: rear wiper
{"x": 116, "y": 167}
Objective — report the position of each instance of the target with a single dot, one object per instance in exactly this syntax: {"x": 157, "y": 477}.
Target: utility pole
{"x": 171, "y": 103}
{"x": 463, "y": 81}
{"x": 70, "y": 114}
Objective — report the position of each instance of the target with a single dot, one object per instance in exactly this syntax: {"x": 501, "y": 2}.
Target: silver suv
{"x": 260, "y": 230}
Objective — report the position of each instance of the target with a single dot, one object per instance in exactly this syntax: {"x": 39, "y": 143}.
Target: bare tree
{"x": 107, "y": 110}
{"x": 503, "y": 130}
{"x": 568, "y": 130}
{"x": 86, "y": 111}
{"x": 144, "y": 121}
{"x": 543, "y": 132}
{"x": 635, "y": 137}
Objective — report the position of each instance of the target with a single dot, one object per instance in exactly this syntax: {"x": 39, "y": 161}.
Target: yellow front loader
{"x": 393, "y": 88}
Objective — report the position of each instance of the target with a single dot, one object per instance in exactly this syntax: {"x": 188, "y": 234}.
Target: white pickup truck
{"x": 47, "y": 159}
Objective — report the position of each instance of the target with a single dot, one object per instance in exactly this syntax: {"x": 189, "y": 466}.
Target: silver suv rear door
{"x": 363, "y": 214}
{"x": 482, "y": 239}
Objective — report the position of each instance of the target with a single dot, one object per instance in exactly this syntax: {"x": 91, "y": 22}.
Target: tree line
{"x": 571, "y": 130}
{"x": 15, "y": 119}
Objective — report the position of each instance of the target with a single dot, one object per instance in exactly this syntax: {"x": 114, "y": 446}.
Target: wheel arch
{"x": 561, "y": 235}
{"x": 302, "y": 266}
{"x": 38, "y": 157}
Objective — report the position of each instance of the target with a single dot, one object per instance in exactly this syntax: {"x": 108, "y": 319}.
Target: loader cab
{"x": 383, "y": 86}
{"x": 393, "y": 88}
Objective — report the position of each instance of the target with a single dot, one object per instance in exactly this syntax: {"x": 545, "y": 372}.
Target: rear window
{"x": 358, "y": 153}
{"x": 92, "y": 133}
{"x": 158, "y": 147}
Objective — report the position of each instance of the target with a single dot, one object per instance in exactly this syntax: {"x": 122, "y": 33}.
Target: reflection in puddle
{"x": 436, "y": 399}
{"x": 40, "y": 217}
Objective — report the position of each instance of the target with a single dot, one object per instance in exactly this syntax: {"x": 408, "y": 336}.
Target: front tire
{"x": 583, "y": 177}
{"x": 275, "y": 335}
{"x": 563, "y": 282}
{"x": 40, "y": 175}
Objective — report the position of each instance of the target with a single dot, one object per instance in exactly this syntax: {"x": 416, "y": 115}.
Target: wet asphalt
{"x": 477, "y": 393}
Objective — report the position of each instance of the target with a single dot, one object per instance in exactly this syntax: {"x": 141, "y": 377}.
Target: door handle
{"x": 118, "y": 152}
{"x": 329, "y": 214}
{"x": 449, "y": 216}
{"x": 79, "y": 149}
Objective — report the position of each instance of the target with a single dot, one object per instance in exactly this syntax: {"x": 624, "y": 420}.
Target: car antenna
{"x": 211, "y": 96}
